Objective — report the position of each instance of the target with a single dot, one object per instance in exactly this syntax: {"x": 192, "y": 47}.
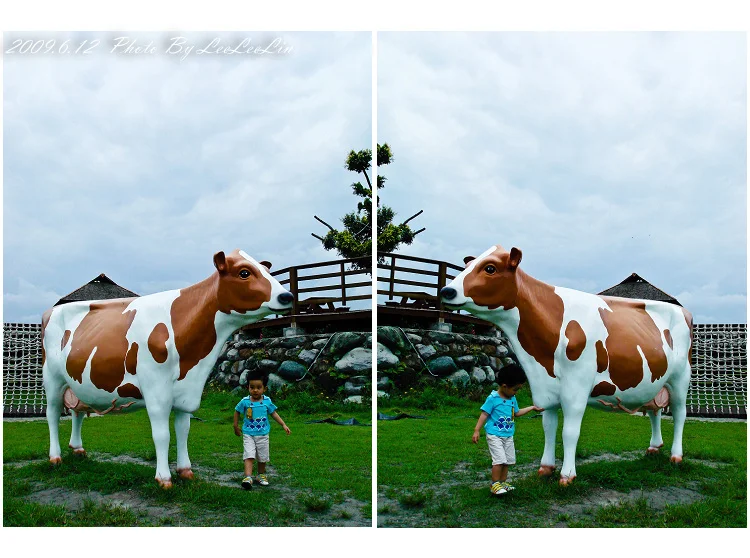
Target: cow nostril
{"x": 285, "y": 298}
{"x": 448, "y": 293}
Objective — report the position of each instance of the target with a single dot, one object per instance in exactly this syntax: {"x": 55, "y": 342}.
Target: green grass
{"x": 431, "y": 475}
{"x": 323, "y": 463}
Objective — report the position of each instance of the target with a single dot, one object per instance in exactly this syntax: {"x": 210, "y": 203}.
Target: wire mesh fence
{"x": 718, "y": 385}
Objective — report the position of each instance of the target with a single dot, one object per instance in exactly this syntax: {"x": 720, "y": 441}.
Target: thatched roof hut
{"x": 636, "y": 286}
{"x": 99, "y": 288}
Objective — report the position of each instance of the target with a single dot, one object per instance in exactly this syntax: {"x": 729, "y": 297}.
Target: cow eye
{"x": 490, "y": 269}
{"x": 244, "y": 274}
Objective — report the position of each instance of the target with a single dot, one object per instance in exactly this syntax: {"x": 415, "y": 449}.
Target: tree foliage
{"x": 355, "y": 240}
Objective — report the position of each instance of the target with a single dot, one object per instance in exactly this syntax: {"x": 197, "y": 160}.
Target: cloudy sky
{"x": 143, "y": 166}
{"x": 597, "y": 154}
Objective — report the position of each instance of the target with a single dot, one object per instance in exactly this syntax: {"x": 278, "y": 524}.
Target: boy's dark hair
{"x": 258, "y": 375}
{"x": 511, "y": 375}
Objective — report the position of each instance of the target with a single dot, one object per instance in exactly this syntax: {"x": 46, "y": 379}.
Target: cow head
{"x": 488, "y": 282}
{"x": 246, "y": 287}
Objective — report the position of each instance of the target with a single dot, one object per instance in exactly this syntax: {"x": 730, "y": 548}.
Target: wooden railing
{"x": 331, "y": 291}
{"x": 429, "y": 278}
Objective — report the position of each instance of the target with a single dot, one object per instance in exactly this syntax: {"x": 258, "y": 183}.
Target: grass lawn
{"x": 320, "y": 475}
{"x": 431, "y": 475}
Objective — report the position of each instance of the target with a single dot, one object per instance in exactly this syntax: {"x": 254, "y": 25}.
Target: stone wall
{"x": 406, "y": 355}
{"x": 333, "y": 362}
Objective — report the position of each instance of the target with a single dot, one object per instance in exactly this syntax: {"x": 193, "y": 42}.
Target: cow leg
{"x": 678, "y": 405}
{"x": 159, "y": 417}
{"x": 53, "y": 386}
{"x": 572, "y": 416}
{"x": 76, "y": 444}
{"x": 656, "y": 441}
{"x": 181, "y": 431}
{"x": 549, "y": 422}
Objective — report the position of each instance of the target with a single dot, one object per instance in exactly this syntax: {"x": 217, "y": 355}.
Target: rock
{"x": 345, "y": 341}
{"x": 489, "y": 349}
{"x": 320, "y": 343}
{"x": 235, "y": 369}
{"x": 501, "y": 350}
{"x": 414, "y": 338}
{"x": 233, "y": 354}
{"x": 246, "y": 353}
{"x": 368, "y": 342}
{"x": 392, "y": 338}
{"x": 268, "y": 365}
{"x": 308, "y": 356}
{"x": 489, "y": 372}
{"x": 382, "y": 394}
{"x": 356, "y": 360}
{"x": 239, "y": 391}
{"x": 291, "y": 371}
{"x": 234, "y": 379}
{"x": 483, "y": 359}
{"x": 445, "y": 338}
{"x": 384, "y": 382}
{"x": 243, "y": 378}
{"x": 225, "y": 366}
{"x": 353, "y": 399}
{"x": 351, "y": 389}
{"x": 442, "y": 366}
{"x": 425, "y": 351}
{"x": 478, "y": 375}
{"x": 386, "y": 359}
{"x": 275, "y": 382}
{"x": 460, "y": 378}
{"x": 359, "y": 380}
{"x": 467, "y": 362}
{"x": 508, "y": 360}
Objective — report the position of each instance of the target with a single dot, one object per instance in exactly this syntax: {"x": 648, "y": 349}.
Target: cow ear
{"x": 467, "y": 259}
{"x": 267, "y": 264}
{"x": 514, "y": 259}
{"x": 220, "y": 261}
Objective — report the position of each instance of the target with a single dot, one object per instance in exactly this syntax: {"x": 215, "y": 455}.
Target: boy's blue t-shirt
{"x": 255, "y": 415}
{"x": 501, "y": 421}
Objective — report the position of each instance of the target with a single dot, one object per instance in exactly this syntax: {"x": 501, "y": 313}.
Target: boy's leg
{"x": 249, "y": 467}
{"x": 496, "y": 473}
{"x": 261, "y": 467}
{"x": 503, "y": 473}
{"x": 262, "y": 444}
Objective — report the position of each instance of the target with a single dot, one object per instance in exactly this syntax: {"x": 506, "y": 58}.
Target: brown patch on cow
{"x": 129, "y": 390}
{"x": 628, "y": 327}
{"x": 668, "y": 337}
{"x": 193, "y": 312}
{"x": 157, "y": 342}
{"x": 45, "y": 320}
{"x": 602, "y": 358}
{"x": 65, "y": 338}
{"x": 603, "y": 388}
{"x": 103, "y": 329}
{"x": 131, "y": 359}
{"x": 540, "y": 308}
{"x": 576, "y": 340}
{"x": 689, "y": 322}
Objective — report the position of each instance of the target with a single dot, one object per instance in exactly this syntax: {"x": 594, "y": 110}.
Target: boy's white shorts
{"x": 255, "y": 447}
{"x": 502, "y": 449}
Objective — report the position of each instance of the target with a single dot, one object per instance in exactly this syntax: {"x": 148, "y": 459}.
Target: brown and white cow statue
{"x": 579, "y": 349}
{"x": 154, "y": 351}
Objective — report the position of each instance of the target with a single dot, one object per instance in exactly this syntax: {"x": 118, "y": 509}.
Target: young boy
{"x": 256, "y": 408}
{"x": 498, "y": 417}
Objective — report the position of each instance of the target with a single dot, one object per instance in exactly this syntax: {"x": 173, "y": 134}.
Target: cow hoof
{"x": 652, "y": 450}
{"x": 566, "y": 481}
{"x": 55, "y": 460}
{"x": 546, "y": 470}
{"x": 676, "y": 459}
{"x": 80, "y": 452}
{"x": 186, "y": 474}
{"x": 165, "y": 484}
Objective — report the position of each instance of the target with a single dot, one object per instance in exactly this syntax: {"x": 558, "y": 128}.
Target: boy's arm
{"x": 480, "y": 423}
{"x": 522, "y": 412}
{"x": 237, "y": 430}
{"x": 275, "y": 416}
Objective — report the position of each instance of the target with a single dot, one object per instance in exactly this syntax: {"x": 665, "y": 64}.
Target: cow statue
{"x": 154, "y": 351}
{"x": 579, "y": 349}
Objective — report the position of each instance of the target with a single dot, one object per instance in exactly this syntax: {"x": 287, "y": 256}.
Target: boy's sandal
{"x": 498, "y": 489}
{"x": 262, "y": 480}
{"x": 247, "y": 483}
{"x": 508, "y": 487}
